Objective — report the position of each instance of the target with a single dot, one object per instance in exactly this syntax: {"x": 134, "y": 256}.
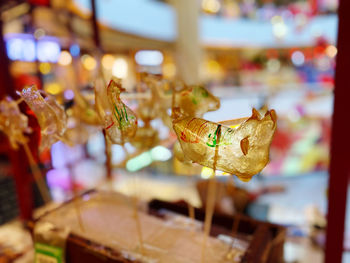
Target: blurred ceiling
{"x": 149, "y": 19}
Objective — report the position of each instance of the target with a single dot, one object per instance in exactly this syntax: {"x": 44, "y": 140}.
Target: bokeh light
{"x": 89, "y": 62}
{"x": 65, "y": 58}
{"x": 298, "y": 58}
{"x": 108, "y": 61}
{"x": 45, "y": 68}
{"x": 120, "y": 68}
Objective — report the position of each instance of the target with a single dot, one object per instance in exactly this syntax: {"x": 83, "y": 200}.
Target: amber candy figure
{"x": 83, "y": 110}
{"x": 196, "y": 100}
{"x": 51, "y": 116}
{"x": 242, "y": 151}
{"x": 120, "y": 122}
{"x": 13, "y": 123}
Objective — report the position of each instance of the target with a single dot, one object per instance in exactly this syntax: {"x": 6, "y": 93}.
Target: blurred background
{"x": 249, "y": 53}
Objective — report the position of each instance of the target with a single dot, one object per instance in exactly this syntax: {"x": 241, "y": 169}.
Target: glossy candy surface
{"x": 13, "y": 123}
{"x": 51, "y": 116}
{"x": 120, "y": 121}
{"x": 242, "y": 151}
{"x": 84, "y": 111}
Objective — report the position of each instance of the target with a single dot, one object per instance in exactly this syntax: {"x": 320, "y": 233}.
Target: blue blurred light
{"x": 21, "y": 49}
{"x": 24, "y": 47}
{"x": 48, "y": 51}
{"x": 149, "y": 57}
{"x": 14, "y": 48}
{"x": 28, "y": 50}
{"x": 74, "y": 50}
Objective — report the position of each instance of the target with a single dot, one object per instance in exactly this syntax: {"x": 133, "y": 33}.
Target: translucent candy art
{"x": 120, "y": 122}
{"x": 146, "y": 137}
{"x": 84, "y": 111}
{"x": 196, "y": 100}
{"x": 13, "y": 123}
{"x": 242, "y": 151}
{"x": 51, "y": 116}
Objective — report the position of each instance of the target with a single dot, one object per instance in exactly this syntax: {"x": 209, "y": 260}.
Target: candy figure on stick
{"x": 120, "y": 126}
{"x": 242, "y": 151}
{"x": 51, "y": 116}
{"x": 120, "y": 122}
{"x": 194, "y": 101}
{"x": 13, "y": 123}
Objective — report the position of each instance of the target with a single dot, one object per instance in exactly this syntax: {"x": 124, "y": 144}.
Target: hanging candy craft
{"x": 13, "y": 123}
{"x": 242, "y": 151}
{"x": 120, "y": 122}
{"x": 51, "y": 116}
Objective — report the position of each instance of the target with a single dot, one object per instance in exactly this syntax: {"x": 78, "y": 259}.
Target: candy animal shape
{"x": 146, "y": 137}
{"x": 84, "y": 111}
{"x": 243, "y": 151}
{"x": 51, "y": 116}
{"x": 13, "y": 123}
{"x": 120, "y": 122}
{"x": 160, "y": 100}
{"x": 194, "y": 100}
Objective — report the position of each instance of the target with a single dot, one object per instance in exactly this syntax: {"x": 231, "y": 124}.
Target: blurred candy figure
{"x": 84, "y": 111}
{"x": 197, "y": 100}
{"x": 146, "y": 137}
{"x": 120, "y": 122}
{"x": 242, "y": 151}
{"x": 194, "y": 100}
{"x": 51, "y": 116}
{"x": 13, "y": 123}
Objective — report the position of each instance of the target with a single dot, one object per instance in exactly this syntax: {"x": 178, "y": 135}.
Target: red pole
{"x": 340, "y": 144}
{"x": 21, "y": 175}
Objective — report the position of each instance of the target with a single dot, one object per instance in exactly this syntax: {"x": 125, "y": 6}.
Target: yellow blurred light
{"x": 108, "y": 61}
{"x": 53, "y": 88}
{"x": 69, "y": 112}
{"x": 89, "y": 62}
{"x": 169, "y": 70}
{"x": 211, "y": 6}
{"x": 45, "y": 68}
{"x": 280, "y": 29}
{"x": 214, "y": 67}
{"x": 207, "y": 173}
{"x": 120, "y": 68}
{"x": 331, "y": 51}
{"x": 276, "y": 19}
{"x": 65, "y": 58}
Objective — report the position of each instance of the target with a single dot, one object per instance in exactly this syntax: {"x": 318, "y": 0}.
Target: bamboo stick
{"x": 37, "y": 174}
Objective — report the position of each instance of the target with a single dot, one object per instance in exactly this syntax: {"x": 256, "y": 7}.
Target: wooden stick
{"x": 136, "y": 215}
{"x": 19, "y": 100}
{"x": 76, "y": 201}
{"x": 108, "y": 157}
{"x": 211, "y": 195}
{"x": 138, "y": 223}
{"x": 37, "y": 174}
{"x": 191, "y": 211}
{"x": 236, "y": 224}
{"x": 77, "y": 209}
{"x": 209, "y": 211}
